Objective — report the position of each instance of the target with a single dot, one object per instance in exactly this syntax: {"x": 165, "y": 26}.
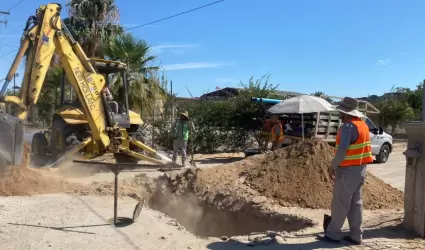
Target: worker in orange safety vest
{"x": 348, "y": 172}
{"x": 277, "y": 133}
{"x": 265, "y": 135}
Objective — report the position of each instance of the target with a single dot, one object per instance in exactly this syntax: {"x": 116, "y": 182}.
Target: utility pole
{"x": 4, "y": 13}
{"x": 172, "y": 102}
{"x": 423, "y": 101}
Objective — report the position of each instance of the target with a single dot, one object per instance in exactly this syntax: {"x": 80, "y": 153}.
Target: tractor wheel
{"x": 63, "y": 137}
{"x": 38, "y": 148}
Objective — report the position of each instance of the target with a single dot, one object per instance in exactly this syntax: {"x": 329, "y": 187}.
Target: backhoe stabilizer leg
{"x": 147, "y": 148}
{"x": 11, "y": 139}
{"x": 144, "y": 157}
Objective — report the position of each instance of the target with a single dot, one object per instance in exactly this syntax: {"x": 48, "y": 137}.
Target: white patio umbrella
{"x": 300, "y": 105}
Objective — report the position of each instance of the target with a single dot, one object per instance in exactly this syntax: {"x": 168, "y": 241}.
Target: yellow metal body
{"x": 42, "y": 41}
{"x": 73, "y": 115}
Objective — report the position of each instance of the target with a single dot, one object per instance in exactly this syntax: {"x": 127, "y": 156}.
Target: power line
{"x": 16, "y": 4}
{"x": 179, "y": 14}
{"x": 8, "y": 53}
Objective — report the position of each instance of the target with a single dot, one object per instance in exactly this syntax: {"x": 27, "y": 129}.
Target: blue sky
{"x": 343, "y": 48}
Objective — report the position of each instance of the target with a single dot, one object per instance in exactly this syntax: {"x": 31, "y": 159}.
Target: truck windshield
{"x": 370, "y": 124}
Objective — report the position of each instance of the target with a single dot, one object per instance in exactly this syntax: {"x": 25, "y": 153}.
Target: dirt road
{"x": 68, "y": 222}
{"x": 393, "y": 171}
{"x": 71, "y": 222}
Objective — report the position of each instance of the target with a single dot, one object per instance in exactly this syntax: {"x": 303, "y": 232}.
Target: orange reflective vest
{"x": 274, "y": 136}
{"x": 359, "y": 152}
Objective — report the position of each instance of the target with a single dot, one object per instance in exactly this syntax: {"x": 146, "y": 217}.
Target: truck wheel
{"x": 384, "y": 153}
{"x": 38, "y": 148}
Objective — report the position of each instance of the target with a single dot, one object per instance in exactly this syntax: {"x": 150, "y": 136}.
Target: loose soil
{"x": 218, "y": 212}
{"x": 22, "y": 180}
{"x": 298, "y": 176}
{"x": 294, "y": 176}
{"x": 233, "y": 199}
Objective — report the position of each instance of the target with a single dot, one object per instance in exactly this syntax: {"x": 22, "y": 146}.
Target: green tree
{"x": 395, "y": 109}
{"x": 322, "y": 94}
{"x": 414, "y": 98}
{"x": 50, "y": 94}
{"x": 144, "y": 84}
{"x": 134, "y": 52}
{"x": 93, "y": 23}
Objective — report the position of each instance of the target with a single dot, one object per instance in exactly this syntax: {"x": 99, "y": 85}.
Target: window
{"x": 370, "y": 124}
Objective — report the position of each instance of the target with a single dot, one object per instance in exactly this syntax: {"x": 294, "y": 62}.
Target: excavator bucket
{"x": 11, "y": 139}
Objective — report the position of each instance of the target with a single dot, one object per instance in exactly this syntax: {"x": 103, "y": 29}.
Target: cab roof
{"x": 108, "y": 66}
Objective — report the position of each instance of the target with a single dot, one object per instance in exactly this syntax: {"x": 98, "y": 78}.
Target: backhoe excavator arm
{"x": 46, "y": 35}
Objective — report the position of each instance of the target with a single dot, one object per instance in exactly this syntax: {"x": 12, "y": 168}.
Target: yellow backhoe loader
{"x": 89, "y": 120}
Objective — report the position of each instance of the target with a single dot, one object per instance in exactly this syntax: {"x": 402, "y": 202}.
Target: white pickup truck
{"x": 381, "y": 142}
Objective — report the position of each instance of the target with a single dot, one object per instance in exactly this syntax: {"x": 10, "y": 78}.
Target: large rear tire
{"x": 64, "y": 137}
{"x": 38, "y": 149}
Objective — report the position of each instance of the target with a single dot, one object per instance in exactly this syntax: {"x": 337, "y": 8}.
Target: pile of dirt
{"x": 297, "y": 175}
{"x": 21, "y": 180}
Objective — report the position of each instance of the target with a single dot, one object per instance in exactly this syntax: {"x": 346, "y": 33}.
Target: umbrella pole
{"x": 302, "y": 124}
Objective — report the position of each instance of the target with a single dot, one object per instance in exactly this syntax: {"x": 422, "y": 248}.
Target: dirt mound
{"x": 210, "y": 210}
{"x": 22, "y": 180}
{"x": 298, "y": 176}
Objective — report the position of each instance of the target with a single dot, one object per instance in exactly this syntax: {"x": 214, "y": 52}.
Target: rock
{"x": 223, "y": 238}
{"x": 163, "y": 237}
{"x": 266, "y": 241}
{"x": 173, "y": 223}
{"x": 259, "y": 199}
{"x": 250, "y": 244}
{"x": 271, "y": 234}
{"x": 256, "y": 236}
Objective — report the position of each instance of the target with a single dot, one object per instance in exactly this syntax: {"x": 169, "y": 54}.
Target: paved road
{"x": 393, "y": 171}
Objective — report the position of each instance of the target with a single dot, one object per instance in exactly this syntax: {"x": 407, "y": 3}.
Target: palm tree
{"x": 134, "y": 52}
{"x": 144, "y": 85}
{"x": 93, "y": 22}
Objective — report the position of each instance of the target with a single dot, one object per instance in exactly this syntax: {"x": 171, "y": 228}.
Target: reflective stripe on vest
{"x": 185, "y": 135}
{"x": 359, "y": 152}
{"x": 274, "y": 136}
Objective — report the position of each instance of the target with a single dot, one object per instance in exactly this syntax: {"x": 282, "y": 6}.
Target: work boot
{"x": 326, "y": 221}
{"x": 350, "y": 240}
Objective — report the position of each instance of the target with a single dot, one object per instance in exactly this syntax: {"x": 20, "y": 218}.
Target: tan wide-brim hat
{"x": 185, "y": 113}
{"x": 350, "y": 106}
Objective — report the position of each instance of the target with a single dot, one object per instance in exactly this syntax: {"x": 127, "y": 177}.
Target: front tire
{"x": 384, "y": 154}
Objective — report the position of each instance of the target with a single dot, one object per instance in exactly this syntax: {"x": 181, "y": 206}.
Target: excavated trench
{"x": 216, "y": 220}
